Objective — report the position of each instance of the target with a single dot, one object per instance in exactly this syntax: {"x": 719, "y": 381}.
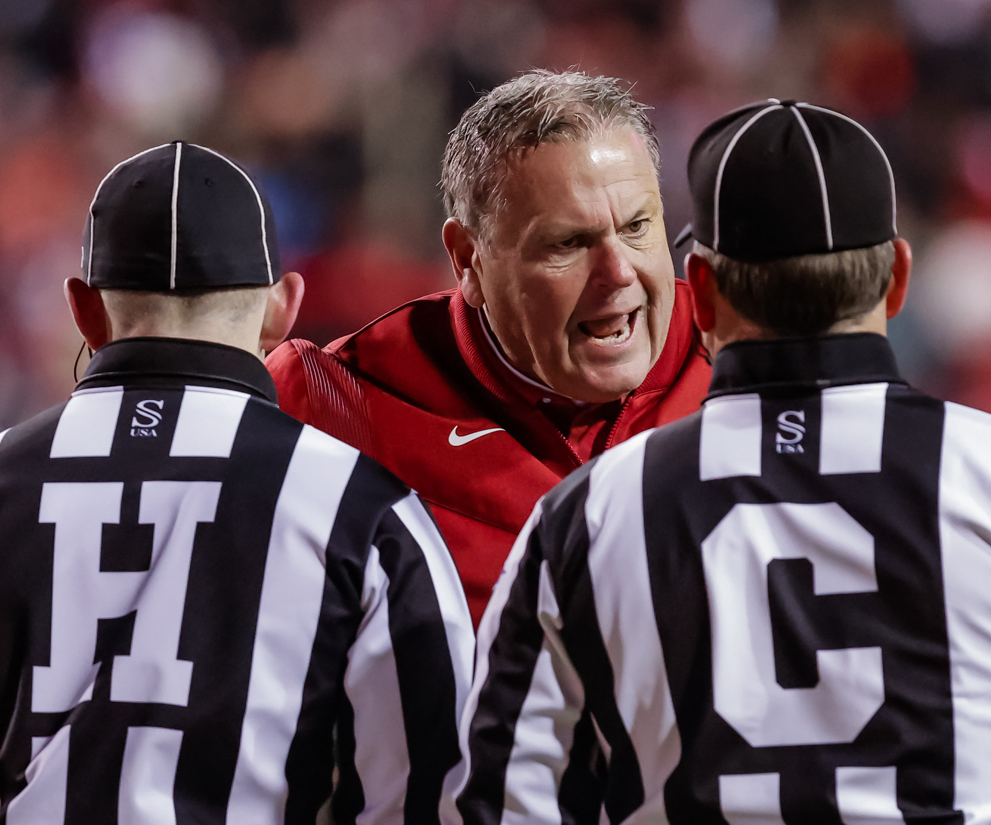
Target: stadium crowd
{"x": 342, "y": 108}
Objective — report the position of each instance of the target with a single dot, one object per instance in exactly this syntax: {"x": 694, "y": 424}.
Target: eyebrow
{"x": 561, "y": 230}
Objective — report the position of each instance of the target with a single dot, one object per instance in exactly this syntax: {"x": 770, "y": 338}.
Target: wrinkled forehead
{"x": 557, "y": 176}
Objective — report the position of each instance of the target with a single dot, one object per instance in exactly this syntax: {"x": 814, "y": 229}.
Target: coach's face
{"x": 574, "y": 271}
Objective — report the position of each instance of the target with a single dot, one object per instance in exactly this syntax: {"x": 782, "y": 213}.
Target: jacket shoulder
{"x": 402, "y": 354}
{"x": 317, "y": 389}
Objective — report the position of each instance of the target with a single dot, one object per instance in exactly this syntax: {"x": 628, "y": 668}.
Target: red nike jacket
{"x": 418, "y": 389}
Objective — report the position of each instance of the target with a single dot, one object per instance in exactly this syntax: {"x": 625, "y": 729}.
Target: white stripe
{"x": 821, "y": 175}
{"x": 731, "y": 437}
{"x": 965, "y": 539}
{"x": 891, "y": 174}
{"x": 92, "y": 203}
{"x": 175, "y": 214}
{"x": 722, "y": 167}
{"x": 147, "y": 777}
{"x": 292, "y": 593}
{"x": 545, "y": 729}
{"x": 617, "y": 562}
{"x": 87, "y": 425}
{"x": 868, "y": 796}
{"x": 852, "y": 431}
{"x": 751, "y": 798}
{"x": 371, "y": 682}
{"x": 4, "y": 433}
{"x": 488, "y": 628}
{"x": 258, "y": 198}
{"x": 208, "y": 422}
{"x": 42, "y": 802}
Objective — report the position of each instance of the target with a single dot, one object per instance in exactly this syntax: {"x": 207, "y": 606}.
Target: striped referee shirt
{"x": 777, "y": 611}
{"x": 196, "y": 590}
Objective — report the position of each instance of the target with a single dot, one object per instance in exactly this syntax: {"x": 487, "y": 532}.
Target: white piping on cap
{"x": 891, "y": 175}
{"x": 820, "y": 174}
{"x": 92, "y": 203}
{"x": 261, "y": 207}
{"x": 175, "y": 214}
{"x": 722, "y": 166}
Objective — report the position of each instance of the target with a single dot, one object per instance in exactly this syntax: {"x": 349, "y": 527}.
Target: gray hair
{"x": 804, "y": 295}
{"x": 535, "y": 107}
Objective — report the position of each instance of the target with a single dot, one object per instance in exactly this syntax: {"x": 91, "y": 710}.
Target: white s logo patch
{"x": 149, "y": 417}
{"x": 791, "y": 431}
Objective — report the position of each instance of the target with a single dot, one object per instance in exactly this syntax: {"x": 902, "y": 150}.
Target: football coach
{"x": 195, "y": 588}
{"x": 777, "y": 610}
{"x": 567, "y": 333}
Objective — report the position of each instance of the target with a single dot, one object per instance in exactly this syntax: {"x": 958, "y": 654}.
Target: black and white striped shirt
{"x": 195, "y": 590}
{"x": 777, "y": 611}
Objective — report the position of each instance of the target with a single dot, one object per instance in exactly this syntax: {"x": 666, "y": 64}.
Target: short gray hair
{"x": 807, "y": 294}
{"x": 535, "y": 107}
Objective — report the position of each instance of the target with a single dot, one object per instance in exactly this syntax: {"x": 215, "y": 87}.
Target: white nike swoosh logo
{"x": 456, "y": 440}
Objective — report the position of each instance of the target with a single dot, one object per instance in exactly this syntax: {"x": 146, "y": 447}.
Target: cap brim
{"x": 683, "y": 236}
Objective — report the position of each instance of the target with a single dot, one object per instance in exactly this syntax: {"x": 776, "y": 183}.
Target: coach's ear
{"x": 704, "y": 289}
{"x": 901, "y": 274}
{"x": 462, "y": 248}
{"x": 281, "y": 309}
{"x": 88, "y": 311}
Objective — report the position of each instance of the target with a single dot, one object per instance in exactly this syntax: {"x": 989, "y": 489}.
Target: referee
{"x": 195, "y": 589}
{"x": 777, "y": 610}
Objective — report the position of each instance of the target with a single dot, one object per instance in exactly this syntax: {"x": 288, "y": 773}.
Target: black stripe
{"x": 221, "y": 611}
{"x": 368, "y": 496}
{"x": 583, "y": 782}
{"x": 349, "y": 797}
{"x": 427, "y": 684}
{"x": 512, "y": 659}
{"x": 671, "y": 482}
{"x": 564, "y": 537}
{"x": 25, "y": 589}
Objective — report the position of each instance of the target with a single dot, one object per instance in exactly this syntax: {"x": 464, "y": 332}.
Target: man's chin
{"x": 602, "y": 386}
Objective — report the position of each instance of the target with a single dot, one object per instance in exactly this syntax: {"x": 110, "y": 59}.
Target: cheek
{"x": 548, "y": 303}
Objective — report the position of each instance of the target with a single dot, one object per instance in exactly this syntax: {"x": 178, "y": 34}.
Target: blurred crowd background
{"x": 342, "y": 107}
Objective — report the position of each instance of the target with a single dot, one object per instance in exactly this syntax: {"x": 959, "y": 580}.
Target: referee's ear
{"x": 88, "y": 311}
{"x": 901, "y": 273}
{"x": 704, "y": 290}
{"x": 284, "y": 298}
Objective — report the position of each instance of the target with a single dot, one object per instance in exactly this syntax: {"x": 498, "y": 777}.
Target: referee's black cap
{"x": 778, "y": 179}
{"x": 176, "y": 217}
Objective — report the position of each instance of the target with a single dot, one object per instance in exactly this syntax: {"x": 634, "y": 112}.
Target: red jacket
{"x": 410, "y": 386}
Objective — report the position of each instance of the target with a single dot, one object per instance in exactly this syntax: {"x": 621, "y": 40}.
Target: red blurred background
{"x": 342, "y": 107}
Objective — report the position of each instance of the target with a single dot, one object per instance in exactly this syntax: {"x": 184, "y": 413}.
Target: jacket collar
{"x": 142, "y": 360}
{"x": 812, "y": 363}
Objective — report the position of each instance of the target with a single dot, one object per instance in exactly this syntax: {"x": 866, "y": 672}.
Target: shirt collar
{"x": 131, "y": 360}
{"x": 815, "y": 363}
{"x": 530, "y": 388}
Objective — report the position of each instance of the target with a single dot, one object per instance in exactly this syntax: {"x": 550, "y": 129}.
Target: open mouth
{"x": 616, "y": 329}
